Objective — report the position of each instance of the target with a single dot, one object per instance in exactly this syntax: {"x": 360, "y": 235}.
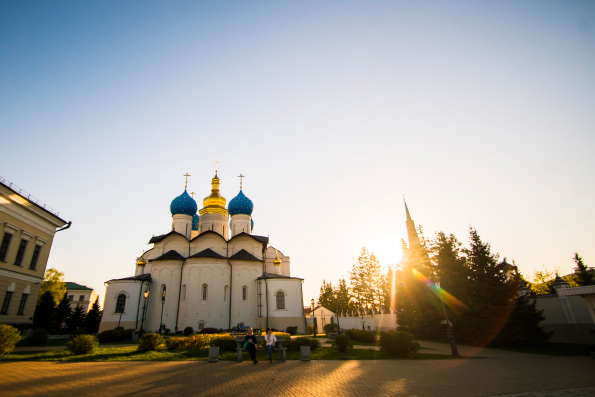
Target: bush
{"x": 361, "y": 335}
{"x": 38, "y": 337}
{"x": 292, "y": 330}
{"x": 186, "y": 343}
{"x": 399, "y": 343}
{"x": 210, "y": 331}
{"x": 225, "y": 342}
{"x": 310, "y": 330}
{"x": 150, "y": 342}
{"x": 332, "y": 327}
{"x": 342, "y": 343}
{"x": 188, "y": 331}
{"x": 9, "y": 337}
{"x": 295, "y": 343}
{"x": 82, "y": 344}
{"x": 77, "y": 332}
{"x": 114, "y": 335}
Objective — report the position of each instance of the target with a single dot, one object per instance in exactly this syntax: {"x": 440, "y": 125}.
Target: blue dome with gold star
{"x": 183, "y": 204}
{"x": 195, "y": 222}
{"x": 240, "y": 204}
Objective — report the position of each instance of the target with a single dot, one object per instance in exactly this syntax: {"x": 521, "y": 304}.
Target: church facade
{"x": 209, "y": 271}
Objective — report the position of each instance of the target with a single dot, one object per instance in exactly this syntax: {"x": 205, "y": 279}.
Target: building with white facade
{"x": 209, "y": 271}
{"x": 80, "y": 295}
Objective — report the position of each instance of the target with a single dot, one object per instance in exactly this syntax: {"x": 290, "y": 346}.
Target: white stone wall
{"x": 240, "y": 223}
{"x": 182, "y": 224}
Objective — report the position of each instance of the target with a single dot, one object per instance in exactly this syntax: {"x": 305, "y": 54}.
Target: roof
{"x": 75, "y": 286}
{"x": 274, "y": 275}
{"x": 170, "y": 255}
{"x": 156, "y": 239}
{"x": 584, "y": 290}
{"x": 44, "y": 207}
{"x": 208, "y": 253}
{"x": 141, "y": 277}
{"x": 262, "y": 239}
{"x": 243, "y": 255}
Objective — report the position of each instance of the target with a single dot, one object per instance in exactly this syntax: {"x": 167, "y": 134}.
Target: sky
{"x": 480, "y": 114}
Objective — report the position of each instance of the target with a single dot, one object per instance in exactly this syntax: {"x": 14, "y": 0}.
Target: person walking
{"x": 250, "y": 344}
{"x": 270, "y": 340}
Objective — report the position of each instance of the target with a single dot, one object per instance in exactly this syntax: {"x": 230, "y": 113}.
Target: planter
{"x": 213, "y": 354}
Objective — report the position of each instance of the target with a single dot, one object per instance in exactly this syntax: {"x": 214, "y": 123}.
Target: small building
{"x": 80, "y": 295}
{"x": 27, "y": 229}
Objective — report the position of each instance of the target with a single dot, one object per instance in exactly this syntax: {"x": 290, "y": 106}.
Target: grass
{"x": 129, "y": 353}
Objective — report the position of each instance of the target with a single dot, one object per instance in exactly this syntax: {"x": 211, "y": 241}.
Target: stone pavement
{"x": 486, "y": 373}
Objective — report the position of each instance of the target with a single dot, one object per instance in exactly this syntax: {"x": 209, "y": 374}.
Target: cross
{"x": 241, "y": 176}
{"x": 216, "y": 165}
{"x": 186, "y": 184}
{"x": 192, "y": 194}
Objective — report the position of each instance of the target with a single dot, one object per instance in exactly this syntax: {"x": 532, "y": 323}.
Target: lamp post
{"x": 162, "y": 303}
{"x": 337, "y": 312}
{"x": 314, "y": 325}
{"x": 142, "y": 320}
{"x": 449, "y": 334}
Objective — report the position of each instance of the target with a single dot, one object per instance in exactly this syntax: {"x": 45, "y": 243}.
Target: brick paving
{"x": 486, "y": 373}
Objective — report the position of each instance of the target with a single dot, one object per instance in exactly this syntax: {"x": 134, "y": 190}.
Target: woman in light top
{"x": 270, "y": 340}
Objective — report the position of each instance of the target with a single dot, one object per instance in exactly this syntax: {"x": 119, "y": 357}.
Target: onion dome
{"x": 277, "y": 261}
{"x": 214, "y": 203}
{"x": 195, "y": 222}
{"x": 183, "y": 204}
{"x": 240, "y": 204}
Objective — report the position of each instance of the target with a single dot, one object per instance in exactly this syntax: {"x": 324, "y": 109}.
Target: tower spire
{"x": 411, "y": 232}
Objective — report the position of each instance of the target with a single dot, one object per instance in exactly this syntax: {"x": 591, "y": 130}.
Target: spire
{"x": 407, "y": 209}
{"x": 411, "y": 232}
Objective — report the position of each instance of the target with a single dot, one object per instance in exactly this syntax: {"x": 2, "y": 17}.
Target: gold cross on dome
{"x": 192, "y": 194}
{"x": 216, "y": 165}
{"x": 186, "y": 184}
{"x": 241, "y": 177}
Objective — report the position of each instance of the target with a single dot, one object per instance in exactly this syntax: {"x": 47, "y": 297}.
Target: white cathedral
{"x": 208, "y": 272}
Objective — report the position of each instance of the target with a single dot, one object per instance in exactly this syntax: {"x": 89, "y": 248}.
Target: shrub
{"x": 310, "y": 330}
{"x": 399, "y": 343}
{"x": 292, "y": 330}
{"x": 295, "y": 343}
{"x": 361, "y": 335}
{"x": 38, "y": 337}
{"x": 9, "y": 337}
{"x": 115, "y": 335}
{"x": 82, "y": 344}
{"x": 150, "y": 342}
{"x": 210, "y": 331}
{"x": 188, "y": 331}
{"x": 342, "y": 343}
{"x": 331, "y": 327}
{"x": 77, "y": 332}
{"x": 185, "y": 343}
{"x": 225, "y": 342}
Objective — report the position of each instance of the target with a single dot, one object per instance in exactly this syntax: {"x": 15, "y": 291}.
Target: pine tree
{"x": 45, "y": 313}
{"x": 342, "y": 299}
{"x": 326, "y": 298}
{"x": 63, "y": 310}
{"x": 582, "y": 275}
{"x": 93, "y": 318}
{"x": 364, "y": 279}
{"x": 77, "y": 318}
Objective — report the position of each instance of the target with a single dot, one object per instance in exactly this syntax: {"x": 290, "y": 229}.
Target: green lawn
{"x": 131, "y": 354}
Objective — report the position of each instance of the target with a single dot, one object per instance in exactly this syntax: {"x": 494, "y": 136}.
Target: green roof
{"x": 75, "y": 286}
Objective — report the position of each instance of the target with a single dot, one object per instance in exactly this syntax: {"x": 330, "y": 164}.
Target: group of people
{"x": 250, "y": 343}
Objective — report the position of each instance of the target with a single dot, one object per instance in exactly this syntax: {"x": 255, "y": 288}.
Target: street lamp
{"x": 449, "y": 334}
{"x": 142, "y": 320}
{"x": 162, "y": 303}
{"x": 337, "y": 312}
{"x": 314, "y": 325}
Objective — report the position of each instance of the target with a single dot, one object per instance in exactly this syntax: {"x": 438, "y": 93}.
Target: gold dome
{"x": 214, "y": 203}
{"x": 276, "y": 261}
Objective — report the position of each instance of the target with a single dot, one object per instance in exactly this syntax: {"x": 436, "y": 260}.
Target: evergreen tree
{"x": 45, "y": 313}
{"x": 63, "y": 310}
{"x": 93, "y": 318}
{"x": 77, "y": 318}
{"x": 326, "y": 298}
{"x": 522, "y": 327}
{"x": 342, "y": 299}
{"x": 365, "y": 279}
{"x": 582, "y": 275}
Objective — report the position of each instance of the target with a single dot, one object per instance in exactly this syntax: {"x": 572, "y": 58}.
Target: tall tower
{"x": 412, "y": 237}
{"x": 213, "y": 215}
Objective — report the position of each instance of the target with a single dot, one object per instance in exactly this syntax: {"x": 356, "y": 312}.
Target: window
{"x": 35, "y": 256}
{"x": 6, "y": 302}
{"x": 22, "y": 304}
{"x": 244, "y": 293}
{"x": 184, "y": 292}
{"x": 70, "y": 298}
{"x": 81, "y": 298}
{"x": 120, "y": 303}
{"x": 201, "y": 326}
{"x": 163, "y": 292}
{"x": 205, "y": 292}
{"x": 20, "y": 253}
{"x": 280, "y": 300}
{"x": 225, "y": 293}
{"x": 4, "y": 246}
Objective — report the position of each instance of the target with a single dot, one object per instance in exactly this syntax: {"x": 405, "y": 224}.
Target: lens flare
{"x": 453, "y": 303}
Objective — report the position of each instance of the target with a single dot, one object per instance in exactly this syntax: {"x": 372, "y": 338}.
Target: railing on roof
{"x": 28, "y": 196}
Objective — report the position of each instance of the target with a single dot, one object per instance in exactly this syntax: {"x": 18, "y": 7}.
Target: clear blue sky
{"x": 481, "y": 113}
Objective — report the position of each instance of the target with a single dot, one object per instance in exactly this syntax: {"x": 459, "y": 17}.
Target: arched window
{"x": 205, "y": 292}
{"x": 244, "y": 293}
{"x": 120, "y": 303}
{"x": 163, "y": 292}
{"x": 184, "y": 292}
{"x": 225, "y": 293}
{"x": 280, "y": 300}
